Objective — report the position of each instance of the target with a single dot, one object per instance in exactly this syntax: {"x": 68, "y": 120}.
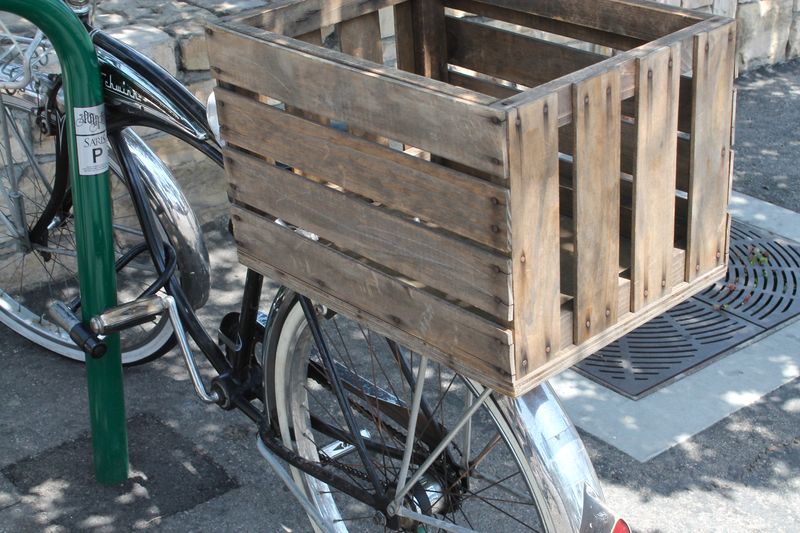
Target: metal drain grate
{"x": 762, "y": 282}
{"x": 762, "y": 289}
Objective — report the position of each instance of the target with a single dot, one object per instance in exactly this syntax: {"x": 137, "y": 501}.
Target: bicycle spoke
{"x": 509, "y": 515}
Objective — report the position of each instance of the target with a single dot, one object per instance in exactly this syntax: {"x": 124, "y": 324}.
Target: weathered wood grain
{"x": 361, "y": 37}
{"x": 596, "y": 104}
{"x": 333, "y": 87}
{"x": 710, "y": 149}
{"x": 533, "y": 176}
{"x": 628, "y": 150}
{"x": 480, "y": 85}
{"x": 556, "y": 26}
{"x": 295, "y": 18}
{"x": 571, "y": 354}
{"x": 448, "y": 264}
{"x": 470, "y": 341}
{"x": 654, "y": 174}
{"x": 467, "y": 206}
{"x": 623, "y": 63}
{"x": 430, "y": 48}
{"x": 621, "y": 17}
{"x": 489, "y": 185}
{"x": 509, "y": 55}
{"x": 404, "y": 37}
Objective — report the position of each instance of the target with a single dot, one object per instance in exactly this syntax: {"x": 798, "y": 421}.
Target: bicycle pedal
{"x": 80, "y": 334}
{"x": 128, "y": 315}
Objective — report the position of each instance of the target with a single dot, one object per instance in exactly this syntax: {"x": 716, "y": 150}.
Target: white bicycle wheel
{"x": 32, "y": 276}
{"x": 487, "y": 479}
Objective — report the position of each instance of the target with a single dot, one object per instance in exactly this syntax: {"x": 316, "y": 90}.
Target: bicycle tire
{"x": 25, "y": 313}
{"x": 288, "y": 381}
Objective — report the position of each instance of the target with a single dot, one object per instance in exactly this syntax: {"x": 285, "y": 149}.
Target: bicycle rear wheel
{"x": 32, "y": 275}
{"x": 484, "y": 480}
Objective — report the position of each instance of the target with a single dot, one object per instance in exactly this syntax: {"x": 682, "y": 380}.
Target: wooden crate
{"x": 504, "y": 201}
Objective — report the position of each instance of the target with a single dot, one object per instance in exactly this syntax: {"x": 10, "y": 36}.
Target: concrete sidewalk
{"x": 196, "y": 468}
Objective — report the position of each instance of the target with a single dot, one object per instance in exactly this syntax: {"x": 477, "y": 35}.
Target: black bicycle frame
{"x": 138, "y": 92}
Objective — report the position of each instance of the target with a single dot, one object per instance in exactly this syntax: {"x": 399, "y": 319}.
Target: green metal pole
{"x": 88, "y": 162}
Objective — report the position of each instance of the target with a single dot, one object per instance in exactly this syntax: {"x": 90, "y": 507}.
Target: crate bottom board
{"x": 491, "y": 374}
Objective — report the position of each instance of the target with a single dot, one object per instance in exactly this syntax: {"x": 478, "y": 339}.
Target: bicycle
{"x": 374, "y": 435}
{"x": 39, "y": 265}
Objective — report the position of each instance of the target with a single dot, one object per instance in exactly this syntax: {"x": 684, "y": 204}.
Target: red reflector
{"x": 621, "y": 527}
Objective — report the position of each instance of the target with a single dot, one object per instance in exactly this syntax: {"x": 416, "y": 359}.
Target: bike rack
{"x": 88, "y": 161}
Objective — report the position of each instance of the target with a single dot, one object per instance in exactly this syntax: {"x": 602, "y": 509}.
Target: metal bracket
{"x": 143, "y": 310}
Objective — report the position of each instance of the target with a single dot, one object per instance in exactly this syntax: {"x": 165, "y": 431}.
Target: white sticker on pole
{"x": 92, "y": 140}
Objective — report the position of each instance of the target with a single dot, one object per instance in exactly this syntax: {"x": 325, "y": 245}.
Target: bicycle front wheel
{"x": 484, "y": 480}
{"x": 34, "y": 275}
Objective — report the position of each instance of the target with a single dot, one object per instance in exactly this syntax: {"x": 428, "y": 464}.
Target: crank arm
{"x": 144, "y": 310}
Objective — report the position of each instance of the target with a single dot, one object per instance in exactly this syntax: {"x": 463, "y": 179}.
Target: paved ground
{"x": 768, "y": 135}
{"x": 195, "y": 468}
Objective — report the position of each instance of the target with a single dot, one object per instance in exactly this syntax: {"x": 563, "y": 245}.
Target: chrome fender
{"x": 176, "y": 217}
{"x": 555, "y": 453}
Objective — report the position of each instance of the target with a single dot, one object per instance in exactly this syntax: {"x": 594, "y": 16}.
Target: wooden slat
{"x": 626, "y": 206}
{"x": 361, "y": 37}
{"x": 628, "y": 151}
{"x": 404, "y": 37}
{"x": 472, "y": 344}
{"x": 711, "y": 134}
{"x": 480, "y": 85}
{"x": 632, "y": 18}
{"x": 624, "y": 63}
{"x": 337, "y": 86}
{"x": 353, "y": 62}
{"x": 675, "y": 269}
{"x": 558, "y": 27}
{"x": 658, "y": 78}
{"x": 447, "y": 264}
{"x": 596, "y": 106}
{"x": 430, "y": 52}
{"x": 511, "y": 56}
{"x": 303, "y": 16}
{"x": 533, "y": 177}
{"x": 569, "y": 355}
{"x": 457, "y": 202}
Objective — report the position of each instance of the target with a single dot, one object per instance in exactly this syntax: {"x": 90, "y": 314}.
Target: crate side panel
{"x": 550, "y": 25}
{"x": 449, "y": 265}
{"x": 511, "y": 56}
{"x": 596, "y": 119}
{"x": 640, "y": 20}
{"x": 404, "y": 37}
{"x": 465, "y": 205}
{"x": 300, "y": 76}
{"x": 304, "y": 16}
{"x": 430, "y": 52}
{"x": 481, "y": 85}
{"x": 470, "y": 342}
{"x": 361, "y": 37}
{"x": 710, "y": 148}
{"x": 571, "y": 354}
{"x": 533, "y": 159}
{"x": 658, "y": 80}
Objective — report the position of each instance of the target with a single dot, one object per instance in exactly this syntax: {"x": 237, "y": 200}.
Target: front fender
{"x": 176, "y": 217}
